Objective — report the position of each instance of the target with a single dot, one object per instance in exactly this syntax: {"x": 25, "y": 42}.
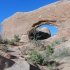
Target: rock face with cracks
{"x": 55, "y": 14}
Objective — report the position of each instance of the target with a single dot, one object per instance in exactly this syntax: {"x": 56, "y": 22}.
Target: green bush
{"x": 4, "y": 49}
{"x": 11, "y": 42}
{"x": 49, "y": 49}
{"x": 63, "y": 39}
{"x": 16, "y": 38}
{"x": 42, "y": 58}
{"x": 45, "y": 57}
{"x": 37, "y": 58}
{"x": 34, "y": 57}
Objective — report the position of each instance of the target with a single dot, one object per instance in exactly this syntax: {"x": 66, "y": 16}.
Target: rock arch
{"x": 41, "y": 22}
{"x": 56, "y": 14}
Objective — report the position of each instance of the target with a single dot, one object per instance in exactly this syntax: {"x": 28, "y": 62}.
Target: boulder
{"x": 45, "y": 29}
{"x": 23, "y": 65}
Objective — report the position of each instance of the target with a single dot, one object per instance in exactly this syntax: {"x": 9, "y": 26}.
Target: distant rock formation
{"x": 56, "y": 14}
{"x": 44, "y": 33}
{"x": 64, "y": 0}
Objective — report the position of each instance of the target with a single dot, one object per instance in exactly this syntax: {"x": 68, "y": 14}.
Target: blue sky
{"x": 9, "y": 7}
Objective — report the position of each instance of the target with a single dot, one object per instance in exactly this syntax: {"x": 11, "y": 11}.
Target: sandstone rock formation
{"x": 56, "y": 14}
{"x": 63, "y": 0}
{"x": 46, "y": 30}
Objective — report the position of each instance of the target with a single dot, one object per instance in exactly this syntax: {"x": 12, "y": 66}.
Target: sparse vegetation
{"x": 16, "y": 38}
{"x": 36, "y": 43}
{"x": 45, "y": 58}
{"x": 56, "y": 42}
{"x": 63, "y": 39}
{"x": 34, "y": 57}
{"x": 1, "y": 39}
{"x": 11, "y": 42}
{"x": 61, "y": 53}
{"x": 4, "y": 49}
{"x": 52, "y": 65}
{"x": 49, "y": 49}
{"x": 5, "y": 41}
{"x": 41, "y": 58}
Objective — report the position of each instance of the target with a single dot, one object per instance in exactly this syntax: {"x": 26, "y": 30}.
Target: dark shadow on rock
{"x": 9, "y": 51}
{"x": 38, "y": 35}
{"x": 5, "y": 63}
{"x": 13, "y": 57}
{"x": 33, "y": 67}
{"x": 43, "y": 35}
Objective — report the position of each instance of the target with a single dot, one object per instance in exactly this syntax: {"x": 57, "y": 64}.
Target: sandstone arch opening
{"x": 42, "y": 32}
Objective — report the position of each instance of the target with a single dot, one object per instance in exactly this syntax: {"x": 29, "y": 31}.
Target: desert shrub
{"x": 34, "y": 57}
{"x": 53, "y": 65}
{"x": 45, "y": 57}
{"x": 61, "y": 53}
{"x": 4, "y": 49}
{"x": 49, "y": 49}
{"x": 63, "y": 39}
{"x": 16, "y": 38}
{"x": 38, "y": 58}
{"x": 36, "y": 43}
{"x": 0, "y": 39}
{"x": 11, "y": 42}
{"x": 5, "y": 41}
{"x": 56, "y": 42}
